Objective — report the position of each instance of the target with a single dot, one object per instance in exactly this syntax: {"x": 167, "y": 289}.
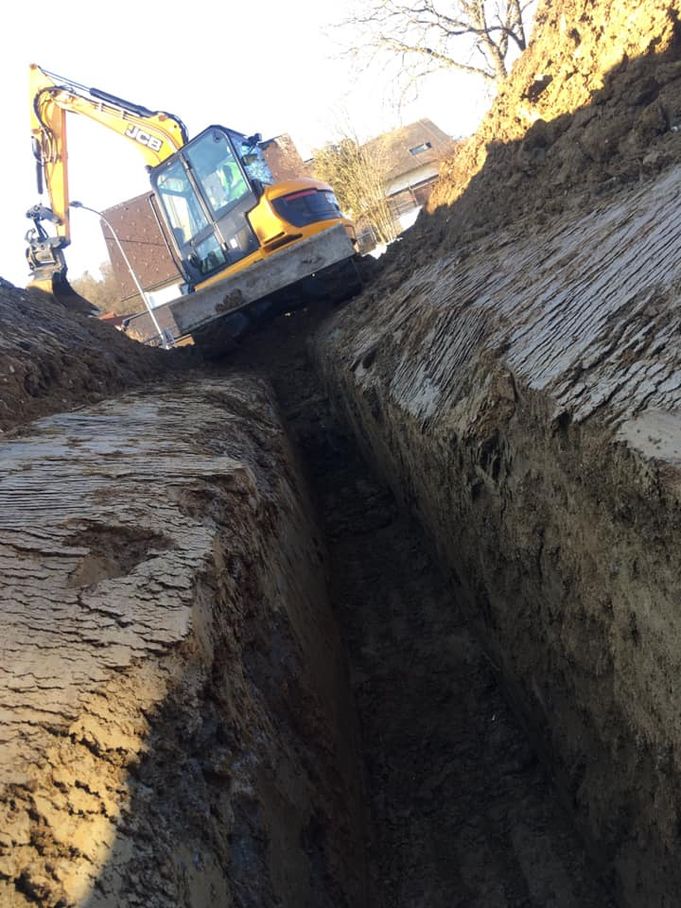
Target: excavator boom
{"x": 156, "y": 134}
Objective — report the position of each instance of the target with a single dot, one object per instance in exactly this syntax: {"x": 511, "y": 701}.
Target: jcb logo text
{"x": 134, "y": 132}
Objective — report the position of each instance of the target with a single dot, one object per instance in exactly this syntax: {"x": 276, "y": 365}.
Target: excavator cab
{"x": 225, "y": 211}
{"x": 206, "y": 193}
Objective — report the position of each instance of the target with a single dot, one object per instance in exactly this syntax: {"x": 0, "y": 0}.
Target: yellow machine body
{"x": 161, "y": 138}
{"x": 275, "y": 233}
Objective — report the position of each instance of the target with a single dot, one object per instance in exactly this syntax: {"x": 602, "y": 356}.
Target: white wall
{"x": 426, "y": 172}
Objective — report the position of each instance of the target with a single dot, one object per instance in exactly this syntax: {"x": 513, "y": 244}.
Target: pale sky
{"x": 269, "y": 67}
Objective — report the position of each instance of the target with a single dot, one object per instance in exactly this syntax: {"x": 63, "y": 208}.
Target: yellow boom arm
{"x": 156, "y": 134}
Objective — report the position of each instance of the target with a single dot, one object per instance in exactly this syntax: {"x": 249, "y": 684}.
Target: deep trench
{"x": 460, "y": 810}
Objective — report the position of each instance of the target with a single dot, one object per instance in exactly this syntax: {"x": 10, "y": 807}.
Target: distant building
{"x": 410, "y": 157}
{"x": 283, "y": 158}
{"x": 144, "y": 239}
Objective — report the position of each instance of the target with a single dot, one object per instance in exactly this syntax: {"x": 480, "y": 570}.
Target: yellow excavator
{"x": 223, "y": 212}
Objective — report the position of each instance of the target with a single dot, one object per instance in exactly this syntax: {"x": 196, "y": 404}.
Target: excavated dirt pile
{"x": 592, "y": 107}
{"x": 51, "y": 359}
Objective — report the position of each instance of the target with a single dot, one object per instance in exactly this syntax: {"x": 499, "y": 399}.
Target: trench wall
{"x": 522, "y": 394}
{"x": 175, "y": 726}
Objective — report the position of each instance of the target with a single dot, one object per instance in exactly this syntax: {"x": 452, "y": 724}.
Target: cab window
{"x": 217, "y": 171}
{"x": 253, "y": 160}
{"x": 181, "y": 203}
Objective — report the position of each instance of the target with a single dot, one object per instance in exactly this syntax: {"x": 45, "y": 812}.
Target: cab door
{"x": 206, "y": 196}
{"x": 226, "y": 190}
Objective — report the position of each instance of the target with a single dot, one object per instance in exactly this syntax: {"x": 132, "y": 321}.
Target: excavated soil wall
{"x": 593, "y": 106}
{"x": 52, "y": 359}
{"x": 523, "y": 395}
{"x": 176, "y": 724}
{"x": 175, "y": 721}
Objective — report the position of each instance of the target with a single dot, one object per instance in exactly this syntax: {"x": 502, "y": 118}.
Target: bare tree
{"x": 472, "y": 36}
{"x": 357, "y": 174}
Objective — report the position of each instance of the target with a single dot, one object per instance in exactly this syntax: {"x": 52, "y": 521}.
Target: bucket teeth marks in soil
{"x": 174, "y": 712}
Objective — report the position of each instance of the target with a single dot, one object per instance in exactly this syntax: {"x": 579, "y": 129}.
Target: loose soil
{"x": 592, "y": 108}
{"x": 462, "y": 814}
{"x": 52, "y": 359}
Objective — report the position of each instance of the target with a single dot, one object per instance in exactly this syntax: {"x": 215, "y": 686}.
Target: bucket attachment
{"x": 46, "y": 261}
{"x": 60, "y": 290}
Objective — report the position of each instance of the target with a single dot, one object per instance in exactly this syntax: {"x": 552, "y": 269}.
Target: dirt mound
{"x": 176, "y": 727}
{"x": 592, "y": 106}
{"x": 51, "y": 359}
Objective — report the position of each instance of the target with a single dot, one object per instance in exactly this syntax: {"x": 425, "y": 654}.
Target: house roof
{"x": 410, "y": 147}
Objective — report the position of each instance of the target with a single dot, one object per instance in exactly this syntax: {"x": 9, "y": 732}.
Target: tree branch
{"x": 448, "y": 33}
{"x": 447, "y": 62}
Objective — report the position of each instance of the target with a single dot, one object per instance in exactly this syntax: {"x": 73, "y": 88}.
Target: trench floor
{"x": 461, "y": 813}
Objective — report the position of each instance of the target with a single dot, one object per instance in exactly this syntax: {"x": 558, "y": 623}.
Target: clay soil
{"x": 53, "y": 360}
{"x": 461, "y": 812}
{"x": 592, "y": 108}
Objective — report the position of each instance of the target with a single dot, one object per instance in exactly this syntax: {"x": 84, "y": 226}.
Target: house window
{"x": 418, "y": 149}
